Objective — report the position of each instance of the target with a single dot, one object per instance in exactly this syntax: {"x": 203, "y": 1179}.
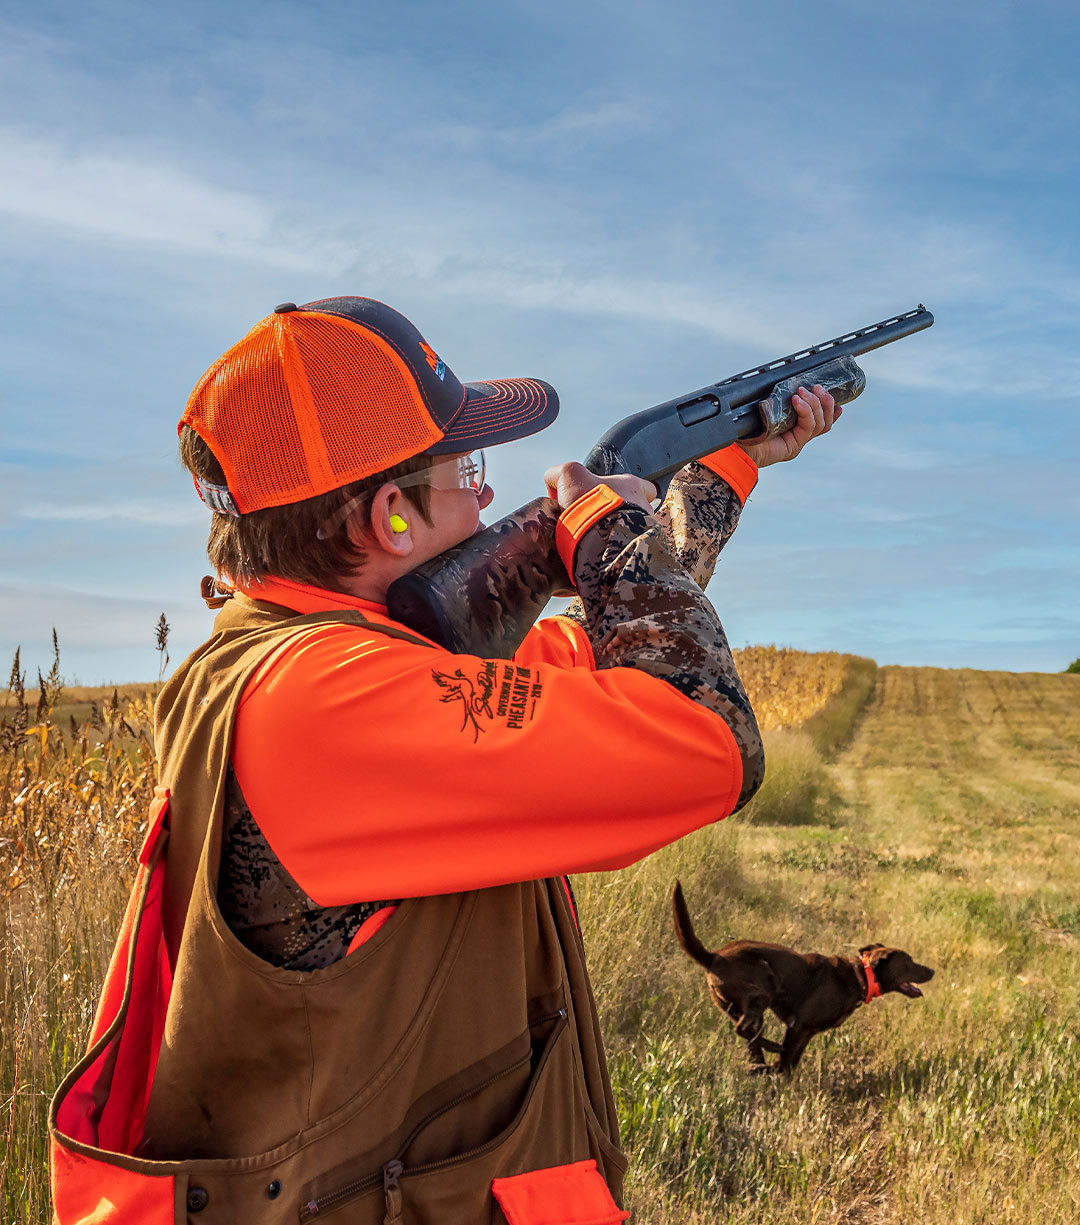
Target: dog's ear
{"x": 869, "y": 948}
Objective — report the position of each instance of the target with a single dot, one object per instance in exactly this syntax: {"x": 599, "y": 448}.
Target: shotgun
{"x": 482, "y": 597}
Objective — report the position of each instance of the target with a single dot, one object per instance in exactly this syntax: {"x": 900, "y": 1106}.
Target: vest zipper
{"x": 394, "y": 1170}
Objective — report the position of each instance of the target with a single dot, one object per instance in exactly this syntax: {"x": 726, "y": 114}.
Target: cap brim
{"x": 499, "y": 411}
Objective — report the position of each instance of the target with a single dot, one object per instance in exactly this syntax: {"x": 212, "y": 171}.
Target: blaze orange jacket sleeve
{"x": 380, "y": 768}
{"x": 557, "y": 640}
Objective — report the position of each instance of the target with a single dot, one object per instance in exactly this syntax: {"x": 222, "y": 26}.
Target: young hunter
{"x": 350, "y": 985}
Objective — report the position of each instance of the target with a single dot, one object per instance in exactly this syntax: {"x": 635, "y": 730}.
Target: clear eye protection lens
{"x": 471, "y": 470}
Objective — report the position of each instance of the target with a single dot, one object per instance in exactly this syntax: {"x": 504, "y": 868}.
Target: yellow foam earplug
{"x": 398, "y": 524}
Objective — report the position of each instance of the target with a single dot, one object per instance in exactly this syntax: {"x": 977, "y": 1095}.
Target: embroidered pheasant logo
{"x": 459, "y": 688}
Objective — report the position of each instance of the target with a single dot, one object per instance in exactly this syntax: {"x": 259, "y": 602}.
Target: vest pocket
{"x": 548, "y": 1129}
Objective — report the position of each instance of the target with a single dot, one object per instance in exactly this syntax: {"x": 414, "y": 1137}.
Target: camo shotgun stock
{"x": 482, "y": 597}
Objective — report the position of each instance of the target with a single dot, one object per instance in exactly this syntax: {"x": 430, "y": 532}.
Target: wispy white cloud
{"x": 167, "y": 513}
{"x": 878, "y": 455}
{"x": 580, "y": 124}
{"x": 745, "y": 297}
{"x": 104, "y": 192}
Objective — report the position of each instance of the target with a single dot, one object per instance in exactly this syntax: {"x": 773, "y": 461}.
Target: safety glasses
{"x": 447, "y": 472}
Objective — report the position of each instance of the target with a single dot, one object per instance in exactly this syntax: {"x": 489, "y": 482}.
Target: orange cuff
{"x": 578, "y": 517}
{"x": 735, "y": 466}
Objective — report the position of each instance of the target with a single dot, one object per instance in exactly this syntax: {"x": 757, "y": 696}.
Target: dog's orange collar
{"x": 873, "y": 987}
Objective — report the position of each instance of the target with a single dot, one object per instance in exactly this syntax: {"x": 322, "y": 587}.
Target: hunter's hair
{"x": 281, "y": 541}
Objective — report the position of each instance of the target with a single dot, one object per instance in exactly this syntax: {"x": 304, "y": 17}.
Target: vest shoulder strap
{"x": 348, "y": 616}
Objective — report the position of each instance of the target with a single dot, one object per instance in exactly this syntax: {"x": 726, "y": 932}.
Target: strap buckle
{"x": 215, "y": 592}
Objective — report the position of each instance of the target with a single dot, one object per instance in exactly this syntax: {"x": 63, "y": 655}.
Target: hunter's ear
{"x": 388, "y": 527}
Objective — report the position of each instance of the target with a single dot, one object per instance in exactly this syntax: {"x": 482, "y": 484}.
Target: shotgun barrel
{"x": 751, "y": 405}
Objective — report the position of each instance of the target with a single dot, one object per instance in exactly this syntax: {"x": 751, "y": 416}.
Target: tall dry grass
{"x": 73, "y": 794}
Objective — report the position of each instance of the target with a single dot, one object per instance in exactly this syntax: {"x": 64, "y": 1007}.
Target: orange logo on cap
{"x": 433, "y": 359}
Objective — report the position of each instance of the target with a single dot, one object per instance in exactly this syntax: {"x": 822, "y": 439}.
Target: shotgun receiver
{"x": 482, "y": 597}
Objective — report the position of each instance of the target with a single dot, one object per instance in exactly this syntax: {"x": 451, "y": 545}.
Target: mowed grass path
{"x": 949, "y": 827}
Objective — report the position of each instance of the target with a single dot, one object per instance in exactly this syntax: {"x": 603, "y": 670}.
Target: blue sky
{"x": 628, "y": 200}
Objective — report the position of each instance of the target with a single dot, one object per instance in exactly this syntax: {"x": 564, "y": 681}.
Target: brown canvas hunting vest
{"x": 459, "y": 1045}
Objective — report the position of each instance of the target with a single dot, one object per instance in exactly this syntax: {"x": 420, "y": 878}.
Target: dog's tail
{"x": 684, "y": 929}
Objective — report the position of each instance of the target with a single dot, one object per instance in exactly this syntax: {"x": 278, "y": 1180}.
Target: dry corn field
{"x": 786, "y": 686}
{"x": 935, "y": 810}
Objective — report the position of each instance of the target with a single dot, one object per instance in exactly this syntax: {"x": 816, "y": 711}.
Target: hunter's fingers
{"x": 633, "y": 489}
{"x": 815, "y": 422}
{"x": 568, "y": 482}
{"x": 817, "y": 410}
{"x": 806, "y": 426}
{"x": 829, "y": 409}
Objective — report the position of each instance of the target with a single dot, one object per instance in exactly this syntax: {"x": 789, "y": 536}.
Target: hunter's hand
{"x": 567, "y": 482}
{"x": 816, "y": 410}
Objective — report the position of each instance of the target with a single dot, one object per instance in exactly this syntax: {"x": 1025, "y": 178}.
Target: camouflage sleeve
{"x": 699, "y": 515}
{"x": 641, "y": 609}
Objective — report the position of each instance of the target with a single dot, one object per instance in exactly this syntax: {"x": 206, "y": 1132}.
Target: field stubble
{"x": 930, "y": 809}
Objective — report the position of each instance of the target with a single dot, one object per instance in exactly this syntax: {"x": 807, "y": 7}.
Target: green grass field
{"x": 932, "y": 809}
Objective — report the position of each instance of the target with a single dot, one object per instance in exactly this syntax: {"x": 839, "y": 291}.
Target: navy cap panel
{"x": 442, "y": 391}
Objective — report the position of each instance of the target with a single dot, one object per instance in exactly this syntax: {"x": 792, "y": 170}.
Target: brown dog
{"x": 807, "y": 991}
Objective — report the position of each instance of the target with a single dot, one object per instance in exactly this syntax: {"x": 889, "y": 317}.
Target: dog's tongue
{"x": 910, "y": 989}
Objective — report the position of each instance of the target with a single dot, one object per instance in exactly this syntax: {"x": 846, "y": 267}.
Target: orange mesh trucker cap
{"x": 319, "y": 396}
